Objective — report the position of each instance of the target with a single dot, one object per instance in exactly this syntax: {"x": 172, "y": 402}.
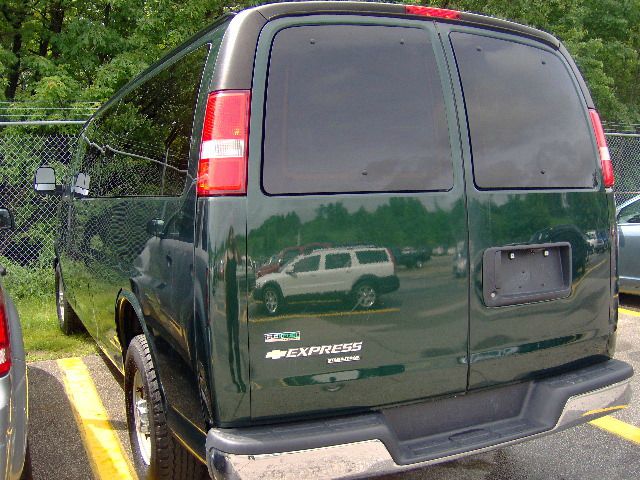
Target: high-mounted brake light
{"x": 5, "y": 339}
{"x": 223, "y": 152}
{"x": 603, "y": 149}
{"x": 431, "y": 12}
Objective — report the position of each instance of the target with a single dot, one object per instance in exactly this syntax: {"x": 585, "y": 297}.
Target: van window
{"x": 146, "y": 136}
{"x": 528, "y": 125}
{"x": 372, "y": 256}
{"x": 354, "y": 109}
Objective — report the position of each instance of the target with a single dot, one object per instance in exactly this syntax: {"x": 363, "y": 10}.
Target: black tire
{"x": 67, "y": 319}
{"x": 365, "y": 295}
{"x": 168, "y": 459}
{"x": 273, "y": 301}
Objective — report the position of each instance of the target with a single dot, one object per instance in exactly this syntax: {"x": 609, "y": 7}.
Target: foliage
{"x": 31, "y": 288}
{"x": 58, "y": 51}
{"x": 31, "y": 282}
{"x": 403, "y": 222}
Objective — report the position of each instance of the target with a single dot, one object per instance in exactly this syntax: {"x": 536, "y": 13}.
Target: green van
{"x": 344, "y": 132}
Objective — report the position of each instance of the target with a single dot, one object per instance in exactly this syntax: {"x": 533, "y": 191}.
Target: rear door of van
{"x": 540, "y": 295}
{"x": 354, "y": 142}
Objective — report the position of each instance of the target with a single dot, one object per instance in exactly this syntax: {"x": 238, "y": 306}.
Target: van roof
{"x": 271, "y": 11}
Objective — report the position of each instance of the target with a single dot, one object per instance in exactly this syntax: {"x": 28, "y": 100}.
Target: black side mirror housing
{"x": 6, "y": 219}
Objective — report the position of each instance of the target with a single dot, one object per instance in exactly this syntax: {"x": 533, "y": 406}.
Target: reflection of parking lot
{"x": 414, "y": 289}
{"x": 610, "y": 450}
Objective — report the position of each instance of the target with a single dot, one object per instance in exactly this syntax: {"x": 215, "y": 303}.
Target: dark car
{"x": 348, "y": 124}
{"x": 411, "y": 257}
{"x": 14, "y": 413}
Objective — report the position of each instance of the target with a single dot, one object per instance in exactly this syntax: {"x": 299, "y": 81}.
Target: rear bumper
{"x": 378, "y": 442}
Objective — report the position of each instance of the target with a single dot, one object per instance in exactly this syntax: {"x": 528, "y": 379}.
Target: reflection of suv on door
{"x": 361, "y": 273}
{"x": 285, "y": 256}
{"x": 355, "y": 124}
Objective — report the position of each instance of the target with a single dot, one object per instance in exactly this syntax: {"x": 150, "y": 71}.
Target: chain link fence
{"x": 31, "y": 243}
{"x": 625, "y": 155}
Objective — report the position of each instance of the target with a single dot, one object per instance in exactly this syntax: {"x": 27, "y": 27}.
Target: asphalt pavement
{"x": 68, "y": 426}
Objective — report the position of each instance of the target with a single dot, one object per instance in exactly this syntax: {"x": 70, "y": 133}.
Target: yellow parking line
{"x": 104, "y": 450}
{"x": 618, "y": 427}
{"x": 629, "y": 312}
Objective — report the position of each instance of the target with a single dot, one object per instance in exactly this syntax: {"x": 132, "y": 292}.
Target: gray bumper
{"x": 366, "y": 445}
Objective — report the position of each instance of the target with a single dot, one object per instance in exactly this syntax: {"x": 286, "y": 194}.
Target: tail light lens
{"x": 223, "y": 152}
{"x": 431, "y": 12}
{"x": 5, "y": 344}
{"x": 603, "y": 149}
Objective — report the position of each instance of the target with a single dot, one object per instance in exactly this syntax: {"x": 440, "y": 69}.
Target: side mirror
{"x": 81, "y": 184}
{"x": 155, "y": 227}
{"x": 45, "y": 181}
{"x": 6, "y": 220}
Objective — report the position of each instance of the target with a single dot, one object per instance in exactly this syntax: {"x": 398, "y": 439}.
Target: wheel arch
{"x": 273, "y": 284}
{"x": 130, "y": 321}
{"x": 372, "y": 279}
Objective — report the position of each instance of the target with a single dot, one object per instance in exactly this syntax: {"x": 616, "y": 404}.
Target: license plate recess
{"x": 517, "y": 274}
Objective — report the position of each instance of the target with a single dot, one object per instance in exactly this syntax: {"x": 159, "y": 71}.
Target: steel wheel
{"x": 141, "y": 418}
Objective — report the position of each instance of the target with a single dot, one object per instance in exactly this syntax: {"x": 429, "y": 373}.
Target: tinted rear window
{"x": 354, "y": 108}
{"x": 527, "y": 122}
{"x": 337, "y": 260}
{"x": 372, "y": 256}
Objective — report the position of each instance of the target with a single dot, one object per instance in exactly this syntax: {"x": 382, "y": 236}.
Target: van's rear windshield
{"x": 354, "y": 108}
{"x": 528, "y": 125}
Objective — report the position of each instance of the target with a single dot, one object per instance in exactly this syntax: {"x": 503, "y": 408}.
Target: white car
{"x": 359, "y": 273}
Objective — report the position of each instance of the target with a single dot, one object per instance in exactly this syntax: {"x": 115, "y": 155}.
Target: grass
{"x": 43, "y": 339}
{"x": 32, "y": 289}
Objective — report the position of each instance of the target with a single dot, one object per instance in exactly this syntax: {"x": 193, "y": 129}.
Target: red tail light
{"x": 603, "y": 149}
{"x": 224, "y": 149}
{"x": 5, "y": 344}
{"x": 431, "y": 12}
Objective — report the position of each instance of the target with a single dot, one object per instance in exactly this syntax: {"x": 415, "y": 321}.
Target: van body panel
{"x": 528, "y": 339}
{"x": 141, "y": 241}
{"x": 221, "y": 263}
{"x": 413, "y": 343}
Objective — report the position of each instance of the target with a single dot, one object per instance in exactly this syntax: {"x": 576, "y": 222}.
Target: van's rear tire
{"x": 67, "y": 319}
{"x": 156, "y": 454}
